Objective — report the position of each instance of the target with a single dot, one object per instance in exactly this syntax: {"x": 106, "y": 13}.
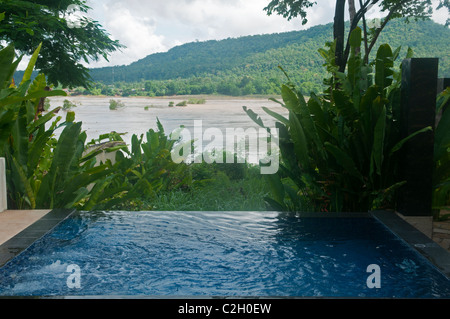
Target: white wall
{"x": 3, "y": 201}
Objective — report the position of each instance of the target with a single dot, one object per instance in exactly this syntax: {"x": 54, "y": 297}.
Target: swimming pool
{"x": 221, "y": 254}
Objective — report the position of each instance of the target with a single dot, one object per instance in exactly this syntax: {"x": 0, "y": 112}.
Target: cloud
{"x": 147, "y": 27}
{"x": 136, "y": 32}
{"x": 154, "y": 26}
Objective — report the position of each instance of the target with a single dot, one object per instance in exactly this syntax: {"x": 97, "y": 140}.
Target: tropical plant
{"x": 441, "y": 175}
{"x": 25, "y": 142}
{"x": 418, "y": 9}
{"x": 41, "y": 170}
{"x": 142, "y": 171}
{"x": 339, "y": 150}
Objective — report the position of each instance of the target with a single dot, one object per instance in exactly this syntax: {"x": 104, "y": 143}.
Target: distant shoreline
{"x": 176, "y": 97}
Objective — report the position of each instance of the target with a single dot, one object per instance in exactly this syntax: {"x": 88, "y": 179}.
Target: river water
{"x": 218, "y": 113}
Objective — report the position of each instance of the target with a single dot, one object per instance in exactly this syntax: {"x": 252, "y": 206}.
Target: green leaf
{"x": 345, "y": 106}
{"x": 36, "y": 95}
{"x": 275, "y": 115}
{"x": 70, "y": 117}
{"x": 6, "y": 61}
{"x": 299, "y": 139}
{"x": 276, "y": 187}
{"x": 383, "y": 66}
{"x": 403, "y": 141}
{"x": 294, "y": 101}
{"x": 344, "y": 160}
{"x": 31, "y": 64}
{"x": 355, "y": 38}
{"x": 378, "y": 142}
{"x": 35, "y": 152}
{"x": 26, "y": 183}
{"x": 442, "y": 136}
{"x": 41, "y": 121}
{"x": 64, "y": 157}
{"x": 253, "y": 116}
{"x": 409, "y": 54}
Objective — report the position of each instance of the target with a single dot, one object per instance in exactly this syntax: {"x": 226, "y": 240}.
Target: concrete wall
{"x": 3, "y": 201}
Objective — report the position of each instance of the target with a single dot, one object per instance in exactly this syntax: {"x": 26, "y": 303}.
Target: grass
{"x": 196, "y": 101}
{"x": 215, "y": 187}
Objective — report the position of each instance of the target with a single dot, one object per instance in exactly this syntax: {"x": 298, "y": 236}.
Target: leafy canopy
{"x": 418, "y": 9}
{"x": 67, "y": 35}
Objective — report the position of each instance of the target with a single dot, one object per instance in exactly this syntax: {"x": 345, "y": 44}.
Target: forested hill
{"x": 255, "y": 59}
{"x": 212, "y": 57}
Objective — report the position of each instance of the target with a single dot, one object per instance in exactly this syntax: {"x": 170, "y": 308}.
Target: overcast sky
{"x": 151, "y": 26}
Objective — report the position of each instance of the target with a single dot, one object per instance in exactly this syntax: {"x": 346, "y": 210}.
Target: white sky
{"x": 151, "y": 26}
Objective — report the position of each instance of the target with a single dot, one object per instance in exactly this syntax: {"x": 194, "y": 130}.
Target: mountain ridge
{"x": 251, "y": 64}
{"x": 211, "y": 56}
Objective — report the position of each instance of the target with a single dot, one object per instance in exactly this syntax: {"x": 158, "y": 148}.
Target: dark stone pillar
{"x": 418, "y": 99}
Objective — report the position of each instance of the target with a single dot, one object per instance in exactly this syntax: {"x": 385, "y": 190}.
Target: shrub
{"x": 441, "y": 174}
{"x": 339, "y": 149}
{"x": 67, "y": 105}
{"x": 196, "y": 101}
{"x": 114, "y": 105}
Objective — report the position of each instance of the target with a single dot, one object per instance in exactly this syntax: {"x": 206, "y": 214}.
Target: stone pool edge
{"x": 426, "y": 247}
{"x": 24, "y": 239}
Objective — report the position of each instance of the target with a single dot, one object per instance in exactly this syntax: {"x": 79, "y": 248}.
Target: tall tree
{"x": 419, "y": 9}
{"x": 67, "y": 35}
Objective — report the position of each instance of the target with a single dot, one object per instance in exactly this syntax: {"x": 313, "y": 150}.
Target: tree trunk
{"x": 351, "y": 10}
{"x": 338, "y": 33}
{"x": 352, "y": 14}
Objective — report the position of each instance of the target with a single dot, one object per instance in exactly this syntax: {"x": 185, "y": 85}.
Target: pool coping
{"x": 425, "y": 246}
{"x": 21, "y": 241}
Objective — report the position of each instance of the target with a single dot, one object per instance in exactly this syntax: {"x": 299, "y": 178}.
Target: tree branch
{"x": 365, "y": 31}
{"x": 360, "y": 14}
{"x": 338, "y": 33}
{"x": 378, "y": 31}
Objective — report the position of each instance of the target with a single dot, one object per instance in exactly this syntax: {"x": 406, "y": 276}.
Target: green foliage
{"x": 196, "y": 101}
{"x": 441, "y": 175}
{"x": 143, "y": 171}
{"x": 65, "y": 42}
{"x": 114, "y": 104}
{"x": 214, "y": 190}
{"x": 46, "y": 172}
{"x": 67, "y": 105}
{"x": 249, "y": 65}
{"x": 183, "y": 103}
{"x": 37, "y": 165}
{"x": 339, "y": 150}
{"x": 408, "y": 9}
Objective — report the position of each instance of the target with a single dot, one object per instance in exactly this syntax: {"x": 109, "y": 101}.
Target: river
{"x": 219, "y": 113}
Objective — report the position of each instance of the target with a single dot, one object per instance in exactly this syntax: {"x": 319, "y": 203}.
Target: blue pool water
{"x": 220, "y": 254}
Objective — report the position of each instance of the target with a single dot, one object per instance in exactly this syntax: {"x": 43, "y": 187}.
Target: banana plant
{"x": 48, "y": 172}
{"x": 42, "y": 171}
{"x": 339, "y": 150}
{"x": 140, "y": 171}
{"x": 441, "y": 174}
